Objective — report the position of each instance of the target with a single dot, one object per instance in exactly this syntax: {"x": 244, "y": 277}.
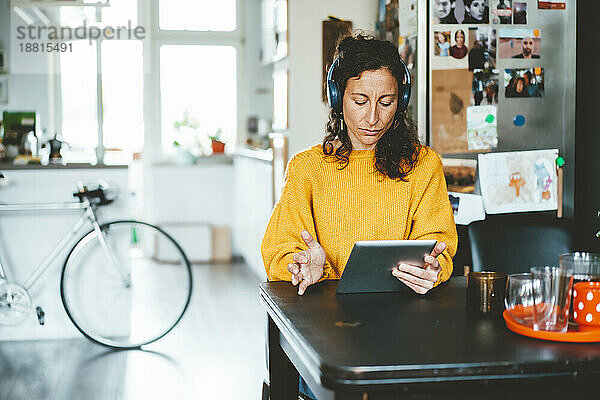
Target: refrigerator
{"x": 500, "y": 97}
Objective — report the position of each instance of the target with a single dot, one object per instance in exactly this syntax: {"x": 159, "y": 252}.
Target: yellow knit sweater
{"x": 339, "y": 207}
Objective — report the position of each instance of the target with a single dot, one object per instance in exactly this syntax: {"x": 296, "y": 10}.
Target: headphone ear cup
{"x": 406, "y": 87}
{"x": 333, "y": 90}
{"x": 333, "y": 96}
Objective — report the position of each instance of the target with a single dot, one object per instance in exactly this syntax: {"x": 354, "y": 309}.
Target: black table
{"x": 403, "y": 345}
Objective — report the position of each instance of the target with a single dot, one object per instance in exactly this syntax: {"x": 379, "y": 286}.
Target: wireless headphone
{"x": 334, "y": 97}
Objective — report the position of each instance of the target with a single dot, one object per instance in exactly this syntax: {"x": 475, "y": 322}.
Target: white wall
{"x": 307, "y": 113}
{"x": 27, "y": 92}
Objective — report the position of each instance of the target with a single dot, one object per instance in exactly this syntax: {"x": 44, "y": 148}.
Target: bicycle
{"x": 113, "y": 287}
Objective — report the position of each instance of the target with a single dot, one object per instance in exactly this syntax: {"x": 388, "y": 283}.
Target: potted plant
{"x": 190, "y": 140}
{"x": 183, "y": 156}
{"x": 217, "y": 145}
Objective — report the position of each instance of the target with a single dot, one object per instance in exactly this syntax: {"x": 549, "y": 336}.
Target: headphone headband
{"x": 334, "y": 97}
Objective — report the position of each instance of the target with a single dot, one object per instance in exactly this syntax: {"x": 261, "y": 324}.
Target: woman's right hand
{"x": 307, "y": 267}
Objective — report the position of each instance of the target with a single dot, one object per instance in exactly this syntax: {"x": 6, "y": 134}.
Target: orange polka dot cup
{"x": 586, "y": 303}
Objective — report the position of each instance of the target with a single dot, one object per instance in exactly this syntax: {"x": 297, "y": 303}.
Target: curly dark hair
{"x": 397, "y": 151}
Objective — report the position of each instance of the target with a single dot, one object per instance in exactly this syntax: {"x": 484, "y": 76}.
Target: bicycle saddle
{"x": 98, "y": 193}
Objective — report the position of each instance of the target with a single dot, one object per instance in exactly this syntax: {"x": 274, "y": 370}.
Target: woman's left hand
{"x": 421, "y": 279}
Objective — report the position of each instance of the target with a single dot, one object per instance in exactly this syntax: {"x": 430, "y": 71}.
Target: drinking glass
{"x": 585, "y": 266}
{"x": 519, "y": 298}
{"x": 551, "y": 298}
{"x": 485, "y": 293}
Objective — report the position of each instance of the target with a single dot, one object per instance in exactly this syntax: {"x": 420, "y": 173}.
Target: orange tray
{"x": 576, "y": 333}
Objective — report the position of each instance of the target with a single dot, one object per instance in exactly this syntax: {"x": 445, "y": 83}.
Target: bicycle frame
{"x": 89, "y": 214}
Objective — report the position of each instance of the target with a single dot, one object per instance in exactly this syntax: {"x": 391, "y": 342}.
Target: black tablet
{"x": 369, "y": 268}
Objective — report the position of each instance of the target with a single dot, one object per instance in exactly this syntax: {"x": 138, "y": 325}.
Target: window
{"x": 78, "y": 90}
{"x": 122, "y": 94}
{"x": 120, "y": 13}
{"x": 198, "y": 83}
{"x": 197, "y": 15}
{"x": 198, "y": 72}
{"x": 120, "y": 65}
{"x": 102, "y": 82}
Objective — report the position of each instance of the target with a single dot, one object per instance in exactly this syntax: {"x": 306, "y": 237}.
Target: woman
{"x": 459, "y": 50}
{"x": 516, "y": 88}
{"x": 442, "y": 44}
{"x": 476, "y": 12}
{"x": 521, "y": 88}
{"x": 444, "y": 11}
{"x": 369, "y": 180}
{"x": 530, "y": 86}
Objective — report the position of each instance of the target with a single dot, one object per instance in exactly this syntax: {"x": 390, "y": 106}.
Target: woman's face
{"x": 443, "y": 8}
{"x": 519, "y": 86}
{"x": 460, "y": 39}
{"x": 476, "y": 9}
{"x": 369, "y": 106}
{"x": 441, "y": 37}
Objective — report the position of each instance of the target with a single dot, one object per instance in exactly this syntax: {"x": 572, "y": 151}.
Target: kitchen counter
{"x": 214, "y": 159}
{"x": 263, "y": 155}
{"x": 11, "y": 166}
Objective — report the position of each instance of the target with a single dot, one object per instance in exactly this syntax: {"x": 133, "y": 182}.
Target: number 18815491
{"x": 45, "y": 47}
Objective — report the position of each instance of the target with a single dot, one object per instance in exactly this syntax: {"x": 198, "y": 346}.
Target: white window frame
{"x": 148, "y": 17}
{"x": 156, "y": 37}
{"x": 100, "y": 149}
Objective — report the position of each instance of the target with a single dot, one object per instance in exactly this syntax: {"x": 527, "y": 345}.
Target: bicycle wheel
{"x": 130, "y": 290}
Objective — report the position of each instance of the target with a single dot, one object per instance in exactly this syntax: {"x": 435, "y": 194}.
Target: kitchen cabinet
{"x": 253, "y": 205}
{"x": 188, "y": 201}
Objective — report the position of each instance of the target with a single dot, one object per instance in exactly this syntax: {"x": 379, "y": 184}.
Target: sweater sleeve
{"x": 433, "y": 218}
{"x": 292, "y": 214}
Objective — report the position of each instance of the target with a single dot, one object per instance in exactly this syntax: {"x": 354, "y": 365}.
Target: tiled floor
{"x": 216, "y": 352}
